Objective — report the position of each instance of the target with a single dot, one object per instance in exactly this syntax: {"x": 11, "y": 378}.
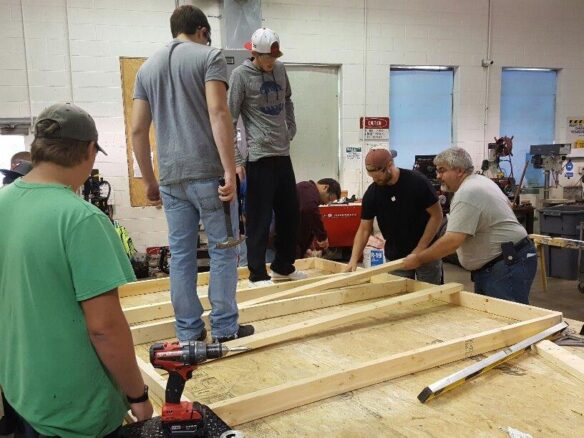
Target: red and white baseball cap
{"x": 265, "y": 41}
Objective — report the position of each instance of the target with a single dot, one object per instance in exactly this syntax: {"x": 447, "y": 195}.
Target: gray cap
{"x": 21, "y": 169}
{"x": 74, "y": 123}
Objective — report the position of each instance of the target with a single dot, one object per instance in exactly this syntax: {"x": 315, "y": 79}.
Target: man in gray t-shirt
{"x": 182, "y": 89}
{"x": 484, "y": 232}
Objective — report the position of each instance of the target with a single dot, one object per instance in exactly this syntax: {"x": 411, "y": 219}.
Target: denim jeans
{"x": 184, "y": 205}
{"x": 430, "y": 273}
{"x": 512, "y": 282}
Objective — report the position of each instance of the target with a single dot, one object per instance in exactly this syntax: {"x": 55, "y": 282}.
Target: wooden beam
{"x": 249, "y": 407}
{"x": 164, "y": 329}
{"x": 496, "y": 306}
{"x": 559, "y": 242}
{"x": 541, "y": 258}
{"x": 341, "y": 280}
{"x": 163, "y": 309}
{"x": 162, "y": 284}
{"x": 318, "y": 325}
{"x": 561, "y": 358}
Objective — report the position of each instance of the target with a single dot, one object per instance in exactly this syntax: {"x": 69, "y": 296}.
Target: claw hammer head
{"x": 230, "y": 242}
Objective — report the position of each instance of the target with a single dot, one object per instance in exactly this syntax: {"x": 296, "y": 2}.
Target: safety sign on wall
{"x": 575, "y": 132}
{"x": 374, "y": 128}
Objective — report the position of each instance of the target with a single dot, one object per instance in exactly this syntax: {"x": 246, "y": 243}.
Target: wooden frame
{"x": 236, "y": 410}
{"x": 163, "y": 284}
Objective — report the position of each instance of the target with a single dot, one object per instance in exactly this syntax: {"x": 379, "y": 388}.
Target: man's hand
{"x": 412, "y": 261}
{"x": 153, "y": 193}
{"x": 227, "y": 191}
{"x": 351, "y": 266}
{"x": 240, "y": 171}
{"x": 142, "y": 411}
{"x": 324, "y": 244}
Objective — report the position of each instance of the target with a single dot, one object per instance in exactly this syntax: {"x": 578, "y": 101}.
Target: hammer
{"x": 231, "y": 241}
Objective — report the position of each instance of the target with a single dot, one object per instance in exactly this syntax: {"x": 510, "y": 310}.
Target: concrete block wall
{"x": 73, "y": 49}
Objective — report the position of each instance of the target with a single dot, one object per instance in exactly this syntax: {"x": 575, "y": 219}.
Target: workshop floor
{"x": 561, "y": 295}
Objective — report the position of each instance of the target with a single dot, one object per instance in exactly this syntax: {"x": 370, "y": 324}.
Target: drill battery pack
{"x": 210, "y": 427}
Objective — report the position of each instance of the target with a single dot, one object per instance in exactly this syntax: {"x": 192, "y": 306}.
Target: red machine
{"x": 183, "y": 419}
{"x": 341, "y": 222}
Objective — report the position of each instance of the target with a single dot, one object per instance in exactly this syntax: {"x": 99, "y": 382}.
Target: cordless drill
{"x": 180, "y": 359}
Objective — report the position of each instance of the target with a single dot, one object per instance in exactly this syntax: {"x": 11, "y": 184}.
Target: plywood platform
{"x": 527, "y": 394}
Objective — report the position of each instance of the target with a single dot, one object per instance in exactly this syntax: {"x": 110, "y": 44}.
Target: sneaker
{"x": 260, "y": 283}
{"x": 203, "y": 335}
{"x": 242, "y": 332}
{"x": 296, "y": 275}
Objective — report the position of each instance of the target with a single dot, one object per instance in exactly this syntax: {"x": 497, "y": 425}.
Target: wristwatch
{"x": 140, "y": 399}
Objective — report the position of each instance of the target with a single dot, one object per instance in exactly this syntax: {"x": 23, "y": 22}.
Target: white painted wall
{"x": 73, "y": 46}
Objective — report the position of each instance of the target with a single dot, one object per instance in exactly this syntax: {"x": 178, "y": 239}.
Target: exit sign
{"x": 374, "y": 128}
{"x": 374, "y": 123}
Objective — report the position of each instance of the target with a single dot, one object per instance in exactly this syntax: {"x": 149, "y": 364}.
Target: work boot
{"x": 242, "y": 332}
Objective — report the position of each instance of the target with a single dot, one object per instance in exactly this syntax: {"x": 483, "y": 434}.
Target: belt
{"x": 518, "y": 246}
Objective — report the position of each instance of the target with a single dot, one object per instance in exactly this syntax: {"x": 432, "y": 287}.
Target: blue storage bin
{"x": 561, "y": 220}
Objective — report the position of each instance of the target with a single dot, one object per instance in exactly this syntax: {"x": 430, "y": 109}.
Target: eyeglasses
{"x": 206, "y": 34}
{"x": 374, "y": 169}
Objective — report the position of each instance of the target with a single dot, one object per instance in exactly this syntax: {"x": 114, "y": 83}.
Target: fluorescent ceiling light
{"x": 528, "y": 69}
{"x": 420, "y": 67}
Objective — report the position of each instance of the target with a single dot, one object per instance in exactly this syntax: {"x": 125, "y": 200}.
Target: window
{"x": 420, "y": 105}
{"x": 9, "y": 145}
{"x": 528, "y": 113}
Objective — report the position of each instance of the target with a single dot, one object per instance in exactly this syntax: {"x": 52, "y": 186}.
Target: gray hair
{"x": 455, "y": 158}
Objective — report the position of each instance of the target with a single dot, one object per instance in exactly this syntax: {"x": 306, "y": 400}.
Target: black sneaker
{"x": 242, "y": 332}
{"x": 203, "y": 335}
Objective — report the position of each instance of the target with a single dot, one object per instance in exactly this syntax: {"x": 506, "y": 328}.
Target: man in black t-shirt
{"x": 408, "y": 214}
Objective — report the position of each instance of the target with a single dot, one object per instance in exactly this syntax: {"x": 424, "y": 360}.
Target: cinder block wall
{"x": 73, "y": 46}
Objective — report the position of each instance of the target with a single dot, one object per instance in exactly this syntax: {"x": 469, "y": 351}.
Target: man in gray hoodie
{"x": 259, "y": 91}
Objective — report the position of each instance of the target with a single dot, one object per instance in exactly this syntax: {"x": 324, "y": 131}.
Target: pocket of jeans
{"x": 211, "y": 203}
{"x": 168, "y": 201}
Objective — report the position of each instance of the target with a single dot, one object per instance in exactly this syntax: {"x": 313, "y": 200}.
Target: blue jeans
{"x": 184, "y": 205}
{"x": 430, "y": 273}
{"x": 511, "y": 283}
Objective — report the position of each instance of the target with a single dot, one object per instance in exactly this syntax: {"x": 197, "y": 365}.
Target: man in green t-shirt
{"x": 67, "y": 363}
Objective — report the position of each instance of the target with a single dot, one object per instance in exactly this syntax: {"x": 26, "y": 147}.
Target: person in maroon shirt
{"x": 310, "y": 196}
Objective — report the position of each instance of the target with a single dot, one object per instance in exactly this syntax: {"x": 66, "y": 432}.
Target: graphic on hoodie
{"x": 268, "y": 89}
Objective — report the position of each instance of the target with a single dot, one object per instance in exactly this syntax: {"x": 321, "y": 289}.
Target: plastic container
{"x": 561, "y": 220}
{"x": 561, "y": 262}
{"x": 373, "y": 257}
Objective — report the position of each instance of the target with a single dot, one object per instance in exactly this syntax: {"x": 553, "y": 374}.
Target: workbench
{"x": 528, "y": 394}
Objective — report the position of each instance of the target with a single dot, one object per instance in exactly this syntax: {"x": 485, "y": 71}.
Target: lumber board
{"x": 496, "y": 306}
{"x": 164, "y": 309}
{"x": 561, "y": 358}
{"x": 317, "y": 325}
{"x": 559, "y": 242}
{"x": 164, "y": 329}
{"x": 161, "y": 284}
{"x": 294, "y": 394}
{"x": 328, "y": 283}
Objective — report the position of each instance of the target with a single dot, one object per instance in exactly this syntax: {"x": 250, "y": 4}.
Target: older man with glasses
{"x": 484, "y": 232}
